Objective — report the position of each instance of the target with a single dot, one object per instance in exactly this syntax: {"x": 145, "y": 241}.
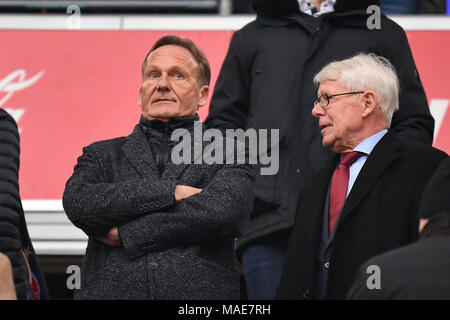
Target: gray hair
{"x": 366, "y": 72}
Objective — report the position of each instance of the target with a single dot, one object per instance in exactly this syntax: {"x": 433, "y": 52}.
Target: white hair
{"x": 366, "y": 72}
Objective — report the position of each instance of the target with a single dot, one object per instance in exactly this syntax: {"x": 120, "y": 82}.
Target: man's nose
{"x": 163, "y": 83}
{"x": 317, "y": 111}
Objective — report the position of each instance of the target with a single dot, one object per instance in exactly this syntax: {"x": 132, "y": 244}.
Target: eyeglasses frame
{"x": 332, "y": 96}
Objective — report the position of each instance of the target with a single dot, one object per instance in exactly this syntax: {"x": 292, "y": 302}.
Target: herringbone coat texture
{"x": 171, "y": 250}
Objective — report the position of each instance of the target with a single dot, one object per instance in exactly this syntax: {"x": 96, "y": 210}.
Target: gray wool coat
{"x": 170, "y": 250}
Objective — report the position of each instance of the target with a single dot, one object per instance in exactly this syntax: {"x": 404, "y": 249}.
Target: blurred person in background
{"x": 413, "y": 6}
{"x": 420, "y": 270}
{"x": 15, "y": 242}
{"x": 400, "y": 6}
{"x": 433, "y": 6}
{"x": 7, "y": 290}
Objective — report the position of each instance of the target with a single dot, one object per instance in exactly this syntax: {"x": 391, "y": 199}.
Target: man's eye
{"x": 178, "y": 76}
{"x": 153, "y": 75}
{"x": 323, "y": 98}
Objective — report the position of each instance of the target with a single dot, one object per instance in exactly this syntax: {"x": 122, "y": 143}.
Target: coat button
{"x": 153, "y": 265}
{"x": 327, "y": 265}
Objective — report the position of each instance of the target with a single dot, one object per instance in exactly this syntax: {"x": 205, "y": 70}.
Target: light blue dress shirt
{"x": 365, "y": 147}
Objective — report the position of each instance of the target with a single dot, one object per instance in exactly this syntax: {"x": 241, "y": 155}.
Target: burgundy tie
{"x": 339, "y": 184}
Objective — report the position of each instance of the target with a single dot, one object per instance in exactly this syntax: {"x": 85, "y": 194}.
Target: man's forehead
{"x": 173, "y": 53}
{"x": 328, "y": 85}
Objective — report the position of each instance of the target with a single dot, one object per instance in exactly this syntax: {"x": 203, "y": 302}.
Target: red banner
{"x": 67, "y": 89}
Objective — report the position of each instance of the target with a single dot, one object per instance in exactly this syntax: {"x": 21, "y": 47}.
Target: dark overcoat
{"x": 419, "y": 271}
{"x": 380, "y": 214}
{"x": 171, "y": 250}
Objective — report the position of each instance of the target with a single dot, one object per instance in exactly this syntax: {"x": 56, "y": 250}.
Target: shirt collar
{"x": 367, "y": 145}
{"x": 171, "y": 125}
{"x": 325, "y": 7}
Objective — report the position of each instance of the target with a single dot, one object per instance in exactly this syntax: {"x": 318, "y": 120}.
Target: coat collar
{"x": 137, "y": 150}
{"x": 174, "y": 171}
{"x": 387, "y": 150}
{"x": 319, "y": 189}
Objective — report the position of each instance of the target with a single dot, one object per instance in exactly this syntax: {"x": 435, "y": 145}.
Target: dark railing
{"x": 172, "y": 6}
{"x": 113, "y": 3}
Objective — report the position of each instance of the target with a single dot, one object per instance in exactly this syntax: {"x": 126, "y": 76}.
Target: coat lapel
{"x": 319, "y": 194}
{"x": 137, "y": 150}
{"x": 174, "y": 171}
{"x": 384, "y": 153}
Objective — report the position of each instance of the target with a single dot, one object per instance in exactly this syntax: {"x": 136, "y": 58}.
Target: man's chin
{"x": 162, "y": 116}
{"x": 325, "y": 142}
{"x": 328, "y": 143}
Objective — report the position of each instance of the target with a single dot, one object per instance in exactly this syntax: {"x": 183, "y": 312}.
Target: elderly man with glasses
{"x": 365, "y": 199}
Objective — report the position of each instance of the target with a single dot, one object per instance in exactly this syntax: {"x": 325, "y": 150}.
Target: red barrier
{"x": 67, "y": 89}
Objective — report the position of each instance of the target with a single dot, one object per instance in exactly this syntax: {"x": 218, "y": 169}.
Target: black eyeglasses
{"x": 324, "y": 100}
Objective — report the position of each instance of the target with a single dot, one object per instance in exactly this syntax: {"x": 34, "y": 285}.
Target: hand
{"x": 112, "y": 239}
{"x": 183, "y": 192}
{"x": 7, "y": 291}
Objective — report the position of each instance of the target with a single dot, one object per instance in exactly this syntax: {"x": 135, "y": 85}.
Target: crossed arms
{"x": 112, "y": 239}
{"x": 146, "y": 215}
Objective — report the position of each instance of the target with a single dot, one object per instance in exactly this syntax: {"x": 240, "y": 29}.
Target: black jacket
{"x": 432, "y": 6}
{"x": 11, "y": 212}
{"x": 418, "y": 271}
{"x": 380, "y": 214}
{"x": 266, "y": 81}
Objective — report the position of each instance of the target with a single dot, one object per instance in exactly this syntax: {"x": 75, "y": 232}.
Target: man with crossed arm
{"x": 159, "y": 230}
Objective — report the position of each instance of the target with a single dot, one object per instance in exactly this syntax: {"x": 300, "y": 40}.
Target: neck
{"x": 165, "y": 120}
{"x": 317, "y": 3}
{"x": 171, "y": 123}
{"x": 358, "y": 137}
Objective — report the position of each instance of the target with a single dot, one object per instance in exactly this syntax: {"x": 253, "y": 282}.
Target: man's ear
{"x": 203, "y": 95}
{"x": 369, "y": 103}
{"x": 140, "y": 97}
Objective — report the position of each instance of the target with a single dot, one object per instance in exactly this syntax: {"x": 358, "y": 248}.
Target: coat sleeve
{"x": 231, "y": 98}
{"x": 413, "y": 120}
{"x": 10, "y": 204}
{"x": 220, "y": 210}
{"x": 95, "y": 205}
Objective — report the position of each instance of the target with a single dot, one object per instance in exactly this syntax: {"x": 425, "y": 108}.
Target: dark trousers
{"x": 263, "y": 262}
